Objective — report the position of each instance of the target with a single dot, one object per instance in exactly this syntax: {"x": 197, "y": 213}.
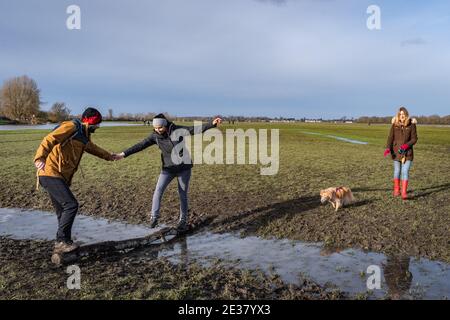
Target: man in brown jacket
{"x": 57, "y": 160}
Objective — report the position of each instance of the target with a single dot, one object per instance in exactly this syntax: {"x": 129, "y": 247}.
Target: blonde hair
{"x": 396, "y": 119}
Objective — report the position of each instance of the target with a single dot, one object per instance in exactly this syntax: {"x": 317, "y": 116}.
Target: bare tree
{"x": 20, "y": 99}
{"x": 110, "y": 114}
{"x": 59, "y": 112}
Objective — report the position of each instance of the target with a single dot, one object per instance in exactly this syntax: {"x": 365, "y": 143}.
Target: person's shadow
{"x": 423, "y": 192}
{"x": 250, "y": 221}
{"x": 415, "y": 193}
{"x": 366, "y": 189}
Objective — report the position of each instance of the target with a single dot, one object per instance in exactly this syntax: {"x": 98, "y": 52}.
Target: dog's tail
{"x": 352, "y": 198}
{"x": 346, "y": 192}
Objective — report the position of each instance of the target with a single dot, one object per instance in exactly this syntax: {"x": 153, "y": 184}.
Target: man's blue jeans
{"x": 164, "y": 179}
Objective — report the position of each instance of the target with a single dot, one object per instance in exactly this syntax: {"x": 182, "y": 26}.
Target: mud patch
{"x": 27, "y": 273}
{"x": 295, "y": 262}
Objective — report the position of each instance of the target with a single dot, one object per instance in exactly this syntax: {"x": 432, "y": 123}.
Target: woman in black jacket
{"x": 168, "y": 136}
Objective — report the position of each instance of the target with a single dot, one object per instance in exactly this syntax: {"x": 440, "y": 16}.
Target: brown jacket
{"x": 400, "y": 135}
{"x": 62, "y": 153}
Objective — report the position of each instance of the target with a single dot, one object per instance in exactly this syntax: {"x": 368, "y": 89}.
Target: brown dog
{"x": 338, "y": 197}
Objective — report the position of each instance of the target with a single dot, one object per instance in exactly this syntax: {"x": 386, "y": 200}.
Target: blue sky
{"x": 294, "y": 58}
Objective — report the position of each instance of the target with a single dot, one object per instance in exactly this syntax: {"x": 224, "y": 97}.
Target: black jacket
{"x": 166, "y": 145}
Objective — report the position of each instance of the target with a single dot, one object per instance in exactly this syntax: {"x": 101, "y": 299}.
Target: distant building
{"x": 282, "y": 119}
{"x": 313, "y": 120}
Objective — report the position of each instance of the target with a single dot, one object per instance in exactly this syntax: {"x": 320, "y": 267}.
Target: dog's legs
{"x": 338, "y": 204}
{"x": 332, "y": 203}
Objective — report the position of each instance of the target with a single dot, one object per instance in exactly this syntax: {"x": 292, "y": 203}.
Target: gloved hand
{"x": 386, "y": 152}
{"x": 403, "y": 148}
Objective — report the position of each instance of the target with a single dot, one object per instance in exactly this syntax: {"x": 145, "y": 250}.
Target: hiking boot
{"x": 182, "y": 225}
{"x": 65, "y": 246}
{"x": 153, "y": 222}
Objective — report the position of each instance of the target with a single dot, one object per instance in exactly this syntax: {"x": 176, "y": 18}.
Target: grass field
{"x": 285, "y": 205}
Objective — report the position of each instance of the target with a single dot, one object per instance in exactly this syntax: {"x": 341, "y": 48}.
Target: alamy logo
{"x": 235, "y": 147}
{"x": 74, "y": 279}
{"x": 73, "y": 22}
{"x": 374, "y": 20}
{"x": 374, "y": 280}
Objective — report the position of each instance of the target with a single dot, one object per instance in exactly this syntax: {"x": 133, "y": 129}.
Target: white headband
{"x": 159, "y": 122}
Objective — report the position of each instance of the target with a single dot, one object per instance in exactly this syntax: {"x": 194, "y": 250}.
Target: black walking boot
{"x": 153, "y": 222}
{"x": 182, "y": 226}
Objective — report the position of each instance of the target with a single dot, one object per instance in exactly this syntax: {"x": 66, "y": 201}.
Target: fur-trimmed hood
{"x": 412, "y": 120}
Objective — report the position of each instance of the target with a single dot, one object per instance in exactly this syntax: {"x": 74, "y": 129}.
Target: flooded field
{"x": 337, "y": 138}
{"x": 346, "y": 270}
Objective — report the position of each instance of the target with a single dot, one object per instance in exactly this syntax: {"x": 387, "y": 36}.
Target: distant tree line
{"x": 20, "y": 102}
{"x": 433, "y": 119}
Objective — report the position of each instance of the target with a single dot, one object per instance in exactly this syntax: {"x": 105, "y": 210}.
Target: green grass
{"x": 284, "y": 205}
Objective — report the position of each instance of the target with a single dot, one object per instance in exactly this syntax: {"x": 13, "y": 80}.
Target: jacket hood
{"x": 411, "y": 120}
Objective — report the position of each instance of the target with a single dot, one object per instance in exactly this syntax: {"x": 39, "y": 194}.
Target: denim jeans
{"x": 402, "y": 169}
{"x": 65, "y": 204}
{"x": 164, "y": 179}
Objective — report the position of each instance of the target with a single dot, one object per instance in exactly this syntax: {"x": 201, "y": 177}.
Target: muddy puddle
{"x": 336, "y": 137}
{"x": 401, "y": 277}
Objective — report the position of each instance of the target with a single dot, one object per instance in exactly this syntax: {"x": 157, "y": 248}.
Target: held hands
{"x": 217, "y": 121}
{"x": 118, "y": 156}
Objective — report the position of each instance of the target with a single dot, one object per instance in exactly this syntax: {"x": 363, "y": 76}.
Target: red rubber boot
{"x": 404, "y": 189}
{"x": 396, "y": 187}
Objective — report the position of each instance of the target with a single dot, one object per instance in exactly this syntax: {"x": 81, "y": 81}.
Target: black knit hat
{"x": 160, "y": 116}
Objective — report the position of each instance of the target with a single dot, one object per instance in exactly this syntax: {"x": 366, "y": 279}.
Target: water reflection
{"x": 345, "y": 269}
{"x": 397, "y": 276}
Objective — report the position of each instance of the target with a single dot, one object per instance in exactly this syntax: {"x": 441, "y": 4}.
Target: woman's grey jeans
{"x": 164, "y": 179}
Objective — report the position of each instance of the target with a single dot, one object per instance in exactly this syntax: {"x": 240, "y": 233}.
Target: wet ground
{"x": 294, "y": 261}
{"x": 337, "y": 137}
{"x": 286, "y": 205}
